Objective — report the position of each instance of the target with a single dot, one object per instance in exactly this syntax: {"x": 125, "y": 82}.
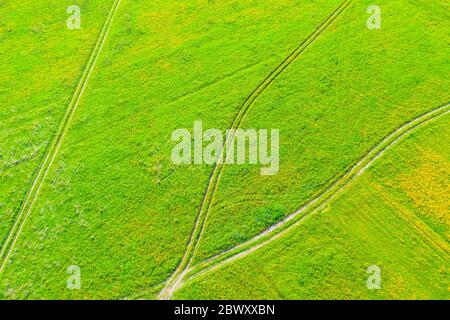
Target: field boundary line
{"x": 213, "y": 183}
{"x": 52, "y": 151}
{"x": 287, "y": 224}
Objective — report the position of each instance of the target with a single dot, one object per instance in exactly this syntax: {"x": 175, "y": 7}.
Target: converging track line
{"x": 53, "y": 149}
{"x": 179, "y": 274}
{"x": 290, "y": 222}
{"x": 287, "y": 224}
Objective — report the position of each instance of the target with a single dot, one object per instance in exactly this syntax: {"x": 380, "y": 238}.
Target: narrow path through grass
{"x": 214, "y": 180}
{"x": 294, "y": 219}
{"x": 54, "y": 147}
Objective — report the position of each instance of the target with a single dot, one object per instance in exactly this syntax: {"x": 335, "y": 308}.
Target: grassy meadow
{"x": 338, "y": 100}
{"x": 41, "y": 62}
{"x": 113, "y": 203}
{"x": 381, "y": 219}
{"x": 116, "y": 205}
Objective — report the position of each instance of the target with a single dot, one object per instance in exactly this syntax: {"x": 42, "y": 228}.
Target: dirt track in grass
{"x": 286, "y": 225}
{"x": 179, "y": 274}
{"x": 52, "y": 151}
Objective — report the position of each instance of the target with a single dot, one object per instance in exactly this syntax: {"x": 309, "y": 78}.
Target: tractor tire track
{"x": 176, "y": 278}
{"x": 52, "y": 151}
{"x": 287, "y": 224}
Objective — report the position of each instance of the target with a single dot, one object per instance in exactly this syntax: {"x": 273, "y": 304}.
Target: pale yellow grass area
{"x": 428, "y": 186}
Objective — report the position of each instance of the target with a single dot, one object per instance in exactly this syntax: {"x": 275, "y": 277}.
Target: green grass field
{"x": 40, "y": 68}
{"x": 98, "y": 188}
{"x": 395, "y": 216}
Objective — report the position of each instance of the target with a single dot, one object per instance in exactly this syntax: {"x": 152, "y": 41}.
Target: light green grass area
{"x": 350, "y": 89}
{"x": 114, "y": 204}
{"x": 381, "y": 219}
{"x": 41, "y": 61}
